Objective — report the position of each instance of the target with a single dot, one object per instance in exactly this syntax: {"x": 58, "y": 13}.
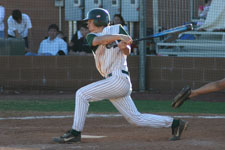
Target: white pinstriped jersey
{"x": 109, "y": 57}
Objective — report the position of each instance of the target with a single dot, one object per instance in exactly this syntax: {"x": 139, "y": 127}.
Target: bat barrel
{"x": 187, "y": 27}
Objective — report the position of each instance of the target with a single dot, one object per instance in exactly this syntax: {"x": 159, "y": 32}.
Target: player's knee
{"x": 134, "y": 120}
{"x": 80, "y": 93}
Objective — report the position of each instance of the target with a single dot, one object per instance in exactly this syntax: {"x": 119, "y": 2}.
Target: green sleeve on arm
{"x": 122, "y": 31}
{"x": 90, "y": 38}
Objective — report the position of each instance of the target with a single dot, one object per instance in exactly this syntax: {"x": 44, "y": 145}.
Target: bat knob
{"x": 190, "y": 27}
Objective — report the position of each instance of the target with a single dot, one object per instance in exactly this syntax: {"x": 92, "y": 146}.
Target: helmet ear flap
{"x": 99, "y": 23}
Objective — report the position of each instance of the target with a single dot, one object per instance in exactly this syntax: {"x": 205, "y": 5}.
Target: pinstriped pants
{"x": 117, "y": 89}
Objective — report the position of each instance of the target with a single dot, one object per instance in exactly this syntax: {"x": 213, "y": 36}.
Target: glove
{"x": 181, "y": 97}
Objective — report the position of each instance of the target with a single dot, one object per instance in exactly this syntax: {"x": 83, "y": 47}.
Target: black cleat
{"x": 68, "y": 137}
{"x": 177, "y": 130}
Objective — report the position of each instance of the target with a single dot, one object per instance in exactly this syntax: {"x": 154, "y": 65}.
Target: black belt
{"x": 123, "y": 71}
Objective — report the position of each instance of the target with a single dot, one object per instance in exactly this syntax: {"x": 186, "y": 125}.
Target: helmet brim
{"x": 85, "y": 19}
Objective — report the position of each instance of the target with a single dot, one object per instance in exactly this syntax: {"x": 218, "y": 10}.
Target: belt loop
{"x": 123, "y": 71}
{"x": 109, "y": 75}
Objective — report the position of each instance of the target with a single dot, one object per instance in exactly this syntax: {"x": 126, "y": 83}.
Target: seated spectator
{"x": 215, "y": 17}
{"x": 52, "y": 46}
{"x": 80, "y": 46}
{"x": 19, "y": 25}
{"x": 203, "y": 9}
{"x": 75, "y": 39}
{"x": 118, "y": 19}
{"x": 61, "y": 35}
{"x": 202, "y": 12}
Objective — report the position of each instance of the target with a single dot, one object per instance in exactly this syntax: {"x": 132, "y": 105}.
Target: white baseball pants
{"x": 117, "y": 89}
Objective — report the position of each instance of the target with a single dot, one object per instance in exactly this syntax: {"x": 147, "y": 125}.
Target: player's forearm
{"x": 105, "y": 39}
{"x": 209, "y": 88}
{"x": 17, "y": 35}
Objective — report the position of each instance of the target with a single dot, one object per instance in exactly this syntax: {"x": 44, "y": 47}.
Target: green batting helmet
{"x": 100, "y": 16}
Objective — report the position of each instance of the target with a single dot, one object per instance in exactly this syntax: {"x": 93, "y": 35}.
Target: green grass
{"x": 105, "y": 106}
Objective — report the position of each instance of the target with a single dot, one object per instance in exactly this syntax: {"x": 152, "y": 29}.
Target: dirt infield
{"x": 36, "y": 134}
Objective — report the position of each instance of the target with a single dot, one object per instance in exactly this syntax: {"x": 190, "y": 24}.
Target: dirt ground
{"x": 202, "y": 134}
{"x": 37, "y": 134}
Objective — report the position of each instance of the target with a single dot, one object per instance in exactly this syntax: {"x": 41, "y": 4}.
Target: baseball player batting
{"x": 111, "y": 46}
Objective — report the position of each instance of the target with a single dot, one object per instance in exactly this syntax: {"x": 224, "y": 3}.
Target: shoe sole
{"x": 61, "y": 141}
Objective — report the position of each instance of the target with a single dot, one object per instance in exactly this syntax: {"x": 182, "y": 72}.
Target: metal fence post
{"x": 155, "y": 12}
{"x": 142, "y": 46}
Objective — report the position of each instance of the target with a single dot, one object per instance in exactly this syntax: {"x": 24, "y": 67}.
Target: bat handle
{"x": 141, "y": 39}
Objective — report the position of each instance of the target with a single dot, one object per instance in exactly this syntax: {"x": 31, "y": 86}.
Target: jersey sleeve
{"x": 26, "y": 18}
{"x": 122, "y": 30}
{"x": 11, "y": 26}
{"x": 90, "y": 37}
{"x": 2, "y": 13}
{"x": 29, "y": 24}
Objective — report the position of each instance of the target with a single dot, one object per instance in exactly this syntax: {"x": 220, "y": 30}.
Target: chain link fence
{"x": 141, "y": 18}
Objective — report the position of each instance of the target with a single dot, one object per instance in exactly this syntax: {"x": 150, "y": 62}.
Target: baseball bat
{"x": 187, "y": 27}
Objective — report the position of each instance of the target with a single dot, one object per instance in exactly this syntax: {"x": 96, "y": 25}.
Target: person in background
{"x": 203, "y": 11}
{"x": 2, "y": 26}
{"x": 61, "y": 35}
{"x": 74, "y": 39}
{"x": 19, "y": 25}
{"x": 80, "y": 46}
{"x": 118, "y": 19}
{"x": 53, "y": 45}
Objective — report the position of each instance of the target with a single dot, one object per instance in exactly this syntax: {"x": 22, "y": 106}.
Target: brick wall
{"x": 172, "y": 73}
{"x": 165, "y": 74}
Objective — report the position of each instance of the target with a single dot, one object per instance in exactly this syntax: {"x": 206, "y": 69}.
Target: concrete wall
{"x": 165, "y": 74}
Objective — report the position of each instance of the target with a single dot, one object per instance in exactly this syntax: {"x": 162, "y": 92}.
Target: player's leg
{"x": 128, "y": 109}
{"x": 104, "y": 89}
{"x": 109, "y": 88}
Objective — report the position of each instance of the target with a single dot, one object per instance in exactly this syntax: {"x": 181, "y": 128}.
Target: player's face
{"x": 117, "y": 20}
{"x": 84, "y": 31}
{"x": 52, "y": 33}
{"x": 91, "y": 25}
{"x": 19, "y": 21}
